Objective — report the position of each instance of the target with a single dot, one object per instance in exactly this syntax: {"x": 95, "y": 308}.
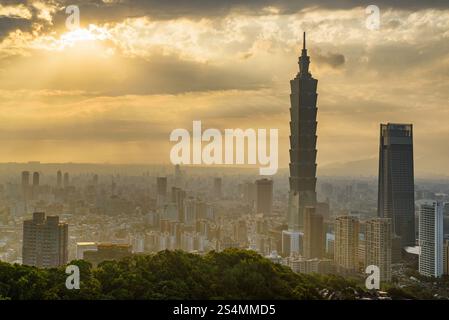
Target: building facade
{"x": 45, "y": 241}
{"x": 431, "y": 239}
{"x": 446, "y": 257}
{"x": 313, "y": 234}
{"x": 378, "y": 245}
{"x": 346, "y": 243}
{"x": 396, "y": 199}
{"x": 264, "y": 198}
{"x": 303, "y": 138}
{"x": 161, "y": 186}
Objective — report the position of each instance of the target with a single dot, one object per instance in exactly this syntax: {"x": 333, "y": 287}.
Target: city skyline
{"x": 240, "y": 63}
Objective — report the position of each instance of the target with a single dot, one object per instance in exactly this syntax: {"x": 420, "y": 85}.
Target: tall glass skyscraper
{"x": 396, "y": 194}
{"x": 303, "y": 139}
{"x": 431, "y": 239}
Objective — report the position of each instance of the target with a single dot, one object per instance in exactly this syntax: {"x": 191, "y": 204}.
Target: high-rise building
{"x": 45, "y": 241}
{"x": 190, "y": 211}
{"x": 330, "y": 245}
{"x": 66, "y": 180}
{"x": 95, "y": 180}
{"x": 396, "y": 248}
{"x": 249, "y": 193}
{"x": 161, "y": 186}
{"x": 264, "y": 198}
{"x": 396, "y": 198}
{"x": 178, "y": 176}
{"x": 35, "y": 179}
{"x": 446, "y": 257}
{"x": 313, "y": 234}
{"x": 241, "y": 233}
{"x": 346, "y": 243}
{"x": 217, "y": 187}
{"x": 303, "y": 138}
{"x": 25, "y": 178}
{"x": 178, "y": 196}
{"x": 323, "y": 209}
{"x": 361, "y": 251}
{"x": 378, "y": 245}
{"x": 59, "y": 179}
{"x": 431, "y": 239}
{"x": 292, "y": 243}
{"x": 161, "y": 191}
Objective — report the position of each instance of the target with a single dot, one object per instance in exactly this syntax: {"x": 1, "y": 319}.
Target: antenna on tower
{"x": 304, "y": 41}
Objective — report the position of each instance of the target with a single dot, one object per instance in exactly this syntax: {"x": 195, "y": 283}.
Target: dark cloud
{"x": 389, "y": 59}
{"x": 13, "y": 2}
{"x": 116, "y": 130}
{"x": 9, "y": 24}
{"x": 200, "y": 8}
{"x": 97, "y": 11}
{"x": 393, "y": 24}
{"x": 334, "y": 60}
{"x": 160, "y": 74}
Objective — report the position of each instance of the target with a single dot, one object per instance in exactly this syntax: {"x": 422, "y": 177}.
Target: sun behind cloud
{"x": 91, "y": 37}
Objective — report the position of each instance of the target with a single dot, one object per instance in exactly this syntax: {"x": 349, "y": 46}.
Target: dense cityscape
{"x": 109, "y": 216}
{"x": 52, "y": 214}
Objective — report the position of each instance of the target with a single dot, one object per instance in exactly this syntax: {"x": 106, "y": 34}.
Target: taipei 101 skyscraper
{"x": 303, "y": 126}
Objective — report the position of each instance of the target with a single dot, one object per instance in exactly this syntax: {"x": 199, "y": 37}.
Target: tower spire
{"x": 304, "y": 59}
{"x": 304, "y": 41}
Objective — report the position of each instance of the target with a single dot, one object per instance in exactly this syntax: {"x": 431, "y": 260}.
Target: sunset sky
{"x": 113, "y": 90}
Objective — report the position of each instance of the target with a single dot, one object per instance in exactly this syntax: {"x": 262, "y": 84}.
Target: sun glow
{"x": 92, "y": 33}
{"x": 90, "y": 37}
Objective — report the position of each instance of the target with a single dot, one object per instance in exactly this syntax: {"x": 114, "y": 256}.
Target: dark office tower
{"x": 396, "y": 181}
{"x": 59, "y": 179}
{"x": 264, "y": 196}
{"x": 178, "y": 176}
{"x": 313, "y": 234}
{"x": 217, "y": 187}
{"x": 25, "y": 178}
{"x": 161, "y": 186}
{"x": 35, "y": 179}
{"x": 249, "y": 193}
{"x": 45, "y": 241}
{"x": 95, "y": 179}
{"x": 66, "y": 179}
{"x": 26, "y": 190}
{"x": 303, "y": 125}
{"x": 178, "y": 196}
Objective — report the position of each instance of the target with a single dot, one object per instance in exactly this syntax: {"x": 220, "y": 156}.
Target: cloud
{"x": 229, "y": 65}
{"x": 114, "y": 11}
{"x": 116, "y": 75}
{"x": 94, "y": 10}
{"x": 8, "y": 24}
{"x": 334, "y": 60}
